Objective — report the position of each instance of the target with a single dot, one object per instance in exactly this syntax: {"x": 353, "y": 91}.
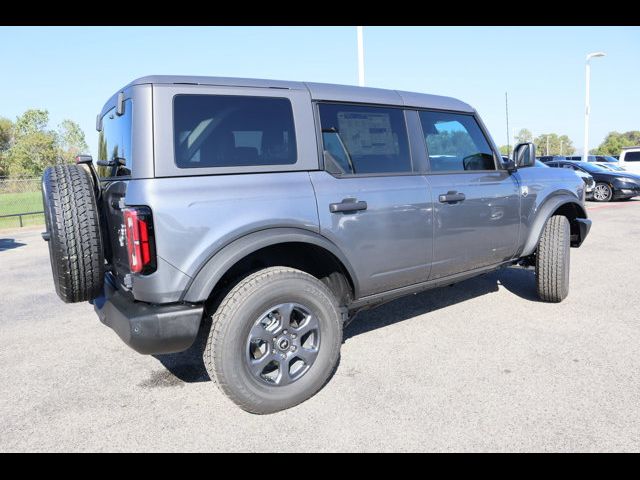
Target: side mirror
{"x": 524, "y": 155}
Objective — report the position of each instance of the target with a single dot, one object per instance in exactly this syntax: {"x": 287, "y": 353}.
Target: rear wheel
{"x": 602, "y": 193}
{"x": 552, "y": 260}
{"x": 73, "y": 232}
{"x": 275, "y": 340}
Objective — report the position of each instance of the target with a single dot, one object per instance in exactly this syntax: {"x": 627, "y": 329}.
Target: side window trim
{"x": 483, "y": 131}
{"x": 415, "y": 170}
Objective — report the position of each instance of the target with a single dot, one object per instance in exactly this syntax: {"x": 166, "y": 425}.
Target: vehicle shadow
{"x": 519, "y": 281}
{"x": 188, "y": 366}
{"x": 9, "y": 243}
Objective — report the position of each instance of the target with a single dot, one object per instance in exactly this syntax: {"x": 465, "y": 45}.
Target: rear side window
{"x": 231, "y": 131}
{"x": 455, "y": 142}
{"x": 114, "y": 142}
{"x": 359, "y": 139}
{"x": 632, "y": 157}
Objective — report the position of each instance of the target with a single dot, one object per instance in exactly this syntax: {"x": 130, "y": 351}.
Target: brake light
{"x": 138, "y": 226}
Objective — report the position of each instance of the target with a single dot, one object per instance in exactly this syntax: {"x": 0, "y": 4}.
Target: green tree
{"x": 504, "y": 150}
{"x": 523, "y": 136}
{"x": 6, "y": 137}
{"x": 33, "y": 147}
{"x": 614, "y": 141}
{"x": 553, "y": 144}
{"x": 31, "y": 121}
{"x": 71, "y": 141}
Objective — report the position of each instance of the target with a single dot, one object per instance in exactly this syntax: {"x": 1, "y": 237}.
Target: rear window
{"x": 231, "y": 131}
{"x": 114, "y": 142}
{"x": 632, "y": 157}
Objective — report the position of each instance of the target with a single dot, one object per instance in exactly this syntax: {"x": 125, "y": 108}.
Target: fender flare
{"x": 221, "y": 261}
{"x": 544, "y": 213}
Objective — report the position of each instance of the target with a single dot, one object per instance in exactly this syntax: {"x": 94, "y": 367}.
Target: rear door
{"x": 115, "y": 146}
{"x": 372, "y": 202}
{"x": 476, "y": 205}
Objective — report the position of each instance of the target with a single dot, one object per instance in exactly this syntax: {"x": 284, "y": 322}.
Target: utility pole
{"x": 360, "y": 58}
{"x": 547, "y": 144}
{"x": 585, "y": 153}
{"x": 506, "y": 107}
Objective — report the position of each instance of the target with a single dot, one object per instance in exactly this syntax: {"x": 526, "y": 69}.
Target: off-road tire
{"x": 241, "y": 307}
{"x": 73, "y": 231}
{"x": 552, "y": 260}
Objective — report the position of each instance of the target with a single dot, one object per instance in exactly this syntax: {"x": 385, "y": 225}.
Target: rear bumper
{"x": 148, "y": 329}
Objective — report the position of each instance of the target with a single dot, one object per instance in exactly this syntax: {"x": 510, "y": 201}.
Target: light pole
{"x": 360, "y": 58}
{"x": 585, "y": 153}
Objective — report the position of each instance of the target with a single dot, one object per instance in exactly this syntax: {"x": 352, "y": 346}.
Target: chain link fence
{"x": 20, "y": 202}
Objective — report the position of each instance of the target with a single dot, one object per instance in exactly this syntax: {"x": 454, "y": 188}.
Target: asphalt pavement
{"x": 479, "y": 366}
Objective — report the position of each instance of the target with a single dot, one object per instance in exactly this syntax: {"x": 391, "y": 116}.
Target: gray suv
{"x": 280, "y": 209}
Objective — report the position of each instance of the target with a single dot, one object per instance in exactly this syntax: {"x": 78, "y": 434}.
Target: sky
{"x": 72, "y": 71}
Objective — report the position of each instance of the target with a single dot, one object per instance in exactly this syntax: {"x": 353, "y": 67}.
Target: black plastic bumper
{"x": 146, "y": 328}
{"x": 584, "y": 225}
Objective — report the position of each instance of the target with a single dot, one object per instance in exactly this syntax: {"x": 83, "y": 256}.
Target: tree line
{"x": 554, "y": 144}
{"x": 28, "y": 145}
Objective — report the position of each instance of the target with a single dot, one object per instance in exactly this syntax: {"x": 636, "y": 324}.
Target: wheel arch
{"x": 566, "y": 205}
{"x": 293, "y": 240}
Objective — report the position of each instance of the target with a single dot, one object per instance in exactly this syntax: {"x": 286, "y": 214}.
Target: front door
{"x": 372, "y": 203}
{"x": 476, "y": 205}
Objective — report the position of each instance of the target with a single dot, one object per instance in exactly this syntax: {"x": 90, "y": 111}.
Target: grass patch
{"x": 11, "y": 203}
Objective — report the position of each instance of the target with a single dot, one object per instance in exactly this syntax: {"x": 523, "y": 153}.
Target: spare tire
{"x": 73, "y": 232}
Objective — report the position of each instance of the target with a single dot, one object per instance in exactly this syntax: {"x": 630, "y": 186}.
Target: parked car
{"x": 594, "y": 158}
{"x": 549, "y": 158}
{"x": 611, "y": 166}
{"x": 630, "y": 159}
{"x": 610, "y": 185}
{"x": 281, "y": 209}
{"x": 589, "y": 182}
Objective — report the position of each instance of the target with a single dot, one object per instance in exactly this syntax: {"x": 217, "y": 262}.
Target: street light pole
{"x": 360, "y": 58}
{"x": 585, "y": 153}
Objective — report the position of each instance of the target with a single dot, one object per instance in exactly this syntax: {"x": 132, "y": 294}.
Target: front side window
{"x": 455, "y": 142}
{"x": 233, "y": 131}
{"x": 632, "y": 157}
{"x": 114, "y": 142}
{"x": 359, "y": 139}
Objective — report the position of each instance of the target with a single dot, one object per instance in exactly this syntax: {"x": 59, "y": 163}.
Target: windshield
{"x": 541, "y": 164}
{"x": 607, "y": 158}
{"x": 615, "y": 168}
{"x": 592, "y": 167}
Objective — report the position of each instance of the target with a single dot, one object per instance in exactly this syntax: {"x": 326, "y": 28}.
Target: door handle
{"x": 451, "y": 197}
{"x": 347, "y": 205}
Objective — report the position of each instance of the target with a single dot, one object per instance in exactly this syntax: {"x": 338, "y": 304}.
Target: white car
{"x": 630, "y": 159}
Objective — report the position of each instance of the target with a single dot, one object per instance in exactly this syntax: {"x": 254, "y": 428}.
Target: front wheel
{"x": 602, "y": 193}
{"x": 552, "y": 260}
{"x": 275, "y": 340}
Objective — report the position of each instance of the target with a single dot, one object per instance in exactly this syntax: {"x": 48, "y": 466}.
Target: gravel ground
{"x": 480, "y": 366}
